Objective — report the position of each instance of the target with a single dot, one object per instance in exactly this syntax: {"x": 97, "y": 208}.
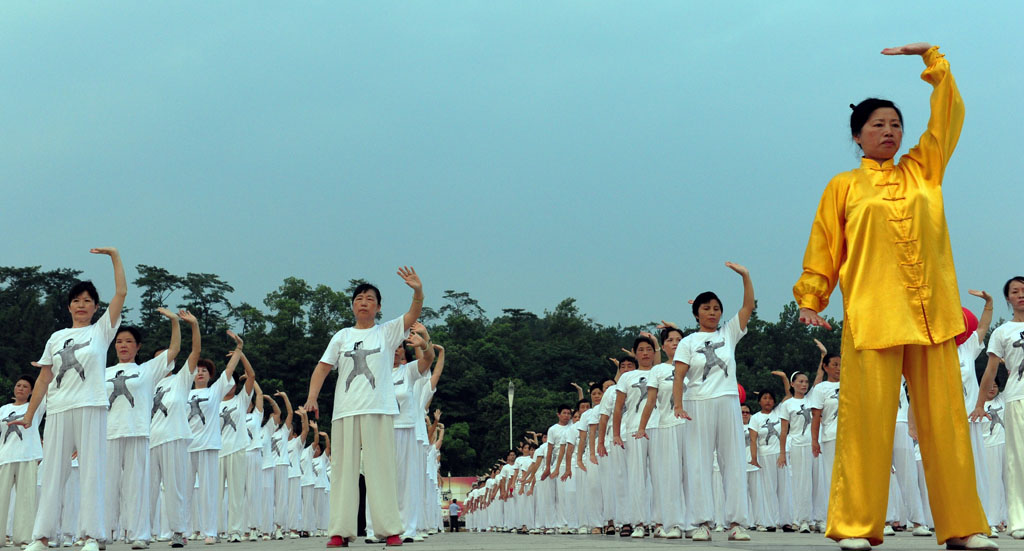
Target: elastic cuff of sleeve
{"x": 811, "y": 302}
{"x": 931, "y": 56}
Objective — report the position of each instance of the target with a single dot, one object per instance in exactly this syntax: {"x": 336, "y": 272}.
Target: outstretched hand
{"x": 187, "y": 317}
{"x": 236, "y": 338}
{"x": 167, "y": 313}
{"x": 109, "y": 251}
{"x": 742, "y": 270}
{"x": 981, "y": 294}
{"x": 821, "y": 347}
{"x": 917, "y": 48}
{"x": 810, "y": 317}
{"x": 409, "y": 276}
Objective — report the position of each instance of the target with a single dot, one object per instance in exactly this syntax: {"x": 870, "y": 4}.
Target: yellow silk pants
{"x": 868, "y": 402}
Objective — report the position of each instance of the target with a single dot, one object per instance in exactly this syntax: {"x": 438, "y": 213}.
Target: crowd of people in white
{"x": 672, "y": 449}
{"x": 155, "y": 451}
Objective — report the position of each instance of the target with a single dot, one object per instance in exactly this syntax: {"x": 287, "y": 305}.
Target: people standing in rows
{"x": 765, "y": 454}
{"x": 231, "y": 459}
{"x": 631, "y": 393}
{"x": 795, "y": 451}
{"x": 20, "y": 453}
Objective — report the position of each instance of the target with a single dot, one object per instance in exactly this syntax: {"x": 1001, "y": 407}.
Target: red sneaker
{"x": 394, "y": 541}
{"x": 337, "y": 541}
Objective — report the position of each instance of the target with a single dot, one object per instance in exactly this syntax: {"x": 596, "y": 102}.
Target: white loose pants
{"x": 281, "y": 496}
{"x": 232, "y": 472}
{"x": 374, "y": 435}
{"x": 1014, "y": 422}
{"x": 170, "y": 464}
{"x": 204, "y": 466}
{"x": 409, "y": 481}
{"x": 716, "y": 426}
{"x": 801, "y": 462}
{"x": 995, "y": 501}
{"x": 905, "y": 465}
{"x": 253, "y": 499}
{"x": 667, "y": 476}
{"x": 127, "y": 509}
{"x": 20, "y": 476}
{"x": 83, "y": 429}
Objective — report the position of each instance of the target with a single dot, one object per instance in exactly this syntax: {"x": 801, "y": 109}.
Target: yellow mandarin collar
{"x": 872, "y": 164}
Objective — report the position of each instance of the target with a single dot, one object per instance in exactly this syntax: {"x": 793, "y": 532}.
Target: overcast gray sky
{"x": 524, "y": 152}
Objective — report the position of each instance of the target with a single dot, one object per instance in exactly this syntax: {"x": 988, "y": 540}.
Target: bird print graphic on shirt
{"x": 642, "y": 385}
{"x": 68, "y": 361}
{"x": 359, "y": 366}
{"x": 121, "y": 388}
{"x": 194, "y": 410}
{"x": 806, "y": 414}
{"x": 16, "y": 429}
{"x": 711, "y": 359}
{"x": 770, "y": 425}
{"x": 1020, "y": 344}
{"x": 226, "y": 420}
{"x": 996, "y": 419}
{"x": 158, "y": 402}
{"x": 671, "y": 396}
{"x": 275, "y": 445}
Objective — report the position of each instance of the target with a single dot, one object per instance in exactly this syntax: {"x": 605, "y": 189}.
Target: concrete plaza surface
{"x": 470, "y": 541}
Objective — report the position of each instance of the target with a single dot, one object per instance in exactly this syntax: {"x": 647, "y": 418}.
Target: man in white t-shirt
{"x": 364, "y": 410}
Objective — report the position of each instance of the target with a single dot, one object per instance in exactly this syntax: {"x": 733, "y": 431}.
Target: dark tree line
{"x": 285, "y": 337}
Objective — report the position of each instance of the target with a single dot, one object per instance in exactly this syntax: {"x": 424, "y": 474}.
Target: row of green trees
{"x": 542, "y": 354}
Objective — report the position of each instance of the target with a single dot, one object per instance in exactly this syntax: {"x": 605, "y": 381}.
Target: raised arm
{"x": 438, "y": 367}
{"x": 986, "y": 314}
{"x": 250, "y": 375}
{"x": 408, "y": 274}
{"x": 276, "y": 410}
{"x": 327, "y": 442}
{"x": 120, "y": 284}
{"x": 579, "y": 391}
{"x": 175, "y": 345}
{"x": 939, "y": 140}
{"x": 747, "y": 308}
{"x": 424, "y": 352}
{"x": 820, "y": 374}
{"x": 287, "y": 409}
{"x": 785, "y": 384}
{"x": 197, "y": 339}
{"x": 236, "y": 355}
{"x": 439, "y": 440}
{"x": 305, "y": 423}
{"x": 257, "y": 400}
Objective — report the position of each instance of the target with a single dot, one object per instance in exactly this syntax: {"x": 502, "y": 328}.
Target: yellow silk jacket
{"x": 880, "y": 232}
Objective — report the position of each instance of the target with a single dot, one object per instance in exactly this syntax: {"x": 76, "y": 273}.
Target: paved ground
{"x": 467, "y": 541}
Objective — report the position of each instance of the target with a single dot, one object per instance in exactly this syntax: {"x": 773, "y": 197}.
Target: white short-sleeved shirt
{"x": 79, "y": 360}
{"x": 252, "y": 429}
{"x": 607, "y": 407}
{"x": 424, "y": 392}
{"x": 825, "y": 396}
{"x": 768, "y": 427}
{"x": 1007, "y": 343}
{"x": 663, "y": 376}
{"x": 633, "y": 385}
{"x": 797, "y": 413}
{"x": 410, "y": 411}
{"x": 542, "y": 450}
{"x": 557, "y": 436}
{"x": 233, "y": 434}
{"x": 169, "y": 416}
{"x": 204, "y": 413}
{"x": 968, "y": 352}
{"x": 522, "y": 464}
{"x": 712, "y": 361}
{"x": 294, "y": 457}
{"x": 320, "y": 471}
{"x": 993, "y": 430}
{"x": 306, "y": 464}
{"x": 506, "y": 474}
{"x": 279, "y": 444}
{"x": 267, "y": 431}
{"x": 587, "y": 418}
{"x": 17, "y": 443}
{"x": 364, "y": 359}
{"x": 130, "y": 389}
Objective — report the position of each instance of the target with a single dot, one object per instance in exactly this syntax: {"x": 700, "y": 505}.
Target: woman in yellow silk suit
{"x": 880, "y": 233}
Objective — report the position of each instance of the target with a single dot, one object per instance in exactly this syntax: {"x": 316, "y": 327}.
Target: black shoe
{"x": 626, "y": 531}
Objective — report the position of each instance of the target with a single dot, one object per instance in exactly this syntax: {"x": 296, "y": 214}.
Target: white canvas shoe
{"x": 737, "y": 533}
{"x": 977, "y": 541}
{"x": 702, "y": 533}
{"x": 674, "y": 534}
{"x": 854, "y": 544}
